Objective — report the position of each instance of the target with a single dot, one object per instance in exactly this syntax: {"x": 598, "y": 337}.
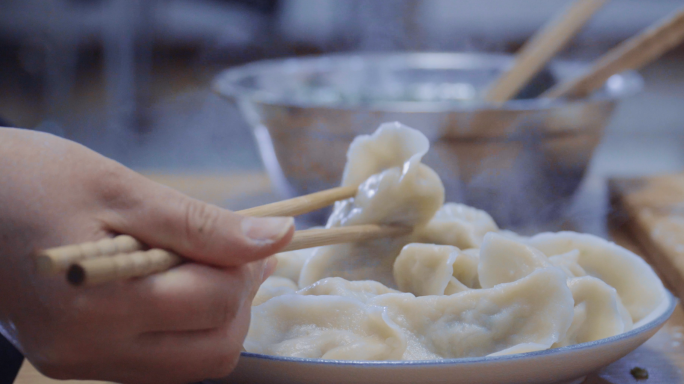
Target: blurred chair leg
{"x": 10, "y": 358}
{"x": 10, "y": 361}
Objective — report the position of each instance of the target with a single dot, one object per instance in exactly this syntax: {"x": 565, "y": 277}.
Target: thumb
{"x": 164, "y": 218}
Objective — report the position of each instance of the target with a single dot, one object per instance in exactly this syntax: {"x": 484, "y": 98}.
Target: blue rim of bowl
{"x": 226, "y": 85}
{"x": 655, "y": 323}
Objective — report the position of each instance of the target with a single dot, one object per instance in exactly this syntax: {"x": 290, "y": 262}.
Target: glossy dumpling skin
{"x": 370, "y": 260}
{"x": 507, "y": 259}
{"x": 503, "y": 260}
{"x": 598, "y": 312}
{"x": 290, "y": 263}
{"x": 326, "y": 327}
{"x": 394, "y": 186}
{"x": 458, "y": 225}
{"x": 569, "y": 263}
{"x": 429, "y": 269}
{"x": 639, "y": 288}
{"x": 391, "y": 145}
{"x": 465, "y": 268}
{"x": 398, "y": 189}
{"x": 536, "y": 310}
{"x": 366, "y": 324}
{"x": 362, "y": 290}
{"x": 272, "y": 287}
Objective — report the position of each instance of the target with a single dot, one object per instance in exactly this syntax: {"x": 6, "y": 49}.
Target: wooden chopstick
{"x": 57, "y": 260}
{"x": 123, "y": 266}
{"x": 302, "y": 204}
{"x": 310, "y": 238}
{"x": 541, "y": 48}
{"x": 633, "y": 53}
{"x": 103, "y": 269}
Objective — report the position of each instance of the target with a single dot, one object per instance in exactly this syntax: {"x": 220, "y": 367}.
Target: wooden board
{"x": 652, "y": 210}
{"x": 662, "y": 356}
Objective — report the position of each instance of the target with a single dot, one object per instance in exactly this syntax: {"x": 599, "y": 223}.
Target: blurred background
{"x": 131, "y": 78}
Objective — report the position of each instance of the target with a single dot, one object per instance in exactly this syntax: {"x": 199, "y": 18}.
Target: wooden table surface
{"x": 662, "y": 356}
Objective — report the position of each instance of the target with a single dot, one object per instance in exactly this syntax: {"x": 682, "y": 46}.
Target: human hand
{"x": 183, "y": 325}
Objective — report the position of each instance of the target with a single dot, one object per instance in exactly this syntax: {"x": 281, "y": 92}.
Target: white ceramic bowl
{"x": 561, "y": 365}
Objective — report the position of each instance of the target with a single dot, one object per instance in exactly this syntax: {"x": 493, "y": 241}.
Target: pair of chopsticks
{"x": 124, "y": 257}
{"x": 633, "y": 53}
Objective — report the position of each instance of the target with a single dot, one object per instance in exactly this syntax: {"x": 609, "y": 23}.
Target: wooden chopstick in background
{"x": 633, "y": 53}
{"x": 541, "y": 47}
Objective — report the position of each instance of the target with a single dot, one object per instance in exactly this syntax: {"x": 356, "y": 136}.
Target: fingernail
{"x": 266, "y": 229}
{"x": 270, "y": 265}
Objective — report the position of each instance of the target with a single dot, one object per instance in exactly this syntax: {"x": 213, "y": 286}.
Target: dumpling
{"x": 598, "y": 312}
{"x": 370, "y": 260}
{"x": 465, "y": 268}
{"x": 428, "y": 269}
{"x": 458, "y": 225}
{"x": 326, "y": 327}
{"x": 394, "y": 186}
{"x": 503, "y": 260}
{"x": 568, "y": 263}
{"x": 529, "y": 314}
{"x": 272, "y": 287}
{"x": 534, "y": 312}
{"x": 290, "y": 263}
{"x": 362, "y": 290}
{"x": 513, "y": 235}
{"x": 404, "y": 192}
{"x": 639, "y": 288}
{"x": 391, "y": 145}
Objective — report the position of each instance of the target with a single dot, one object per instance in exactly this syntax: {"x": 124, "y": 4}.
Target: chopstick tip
{"x": 44, "y": 263}
{"x": 76, "y": 275}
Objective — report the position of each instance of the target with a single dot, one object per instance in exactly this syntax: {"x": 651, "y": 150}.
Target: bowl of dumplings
{"x": 526, "y": 156}
{"x": 457, "y": 300}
